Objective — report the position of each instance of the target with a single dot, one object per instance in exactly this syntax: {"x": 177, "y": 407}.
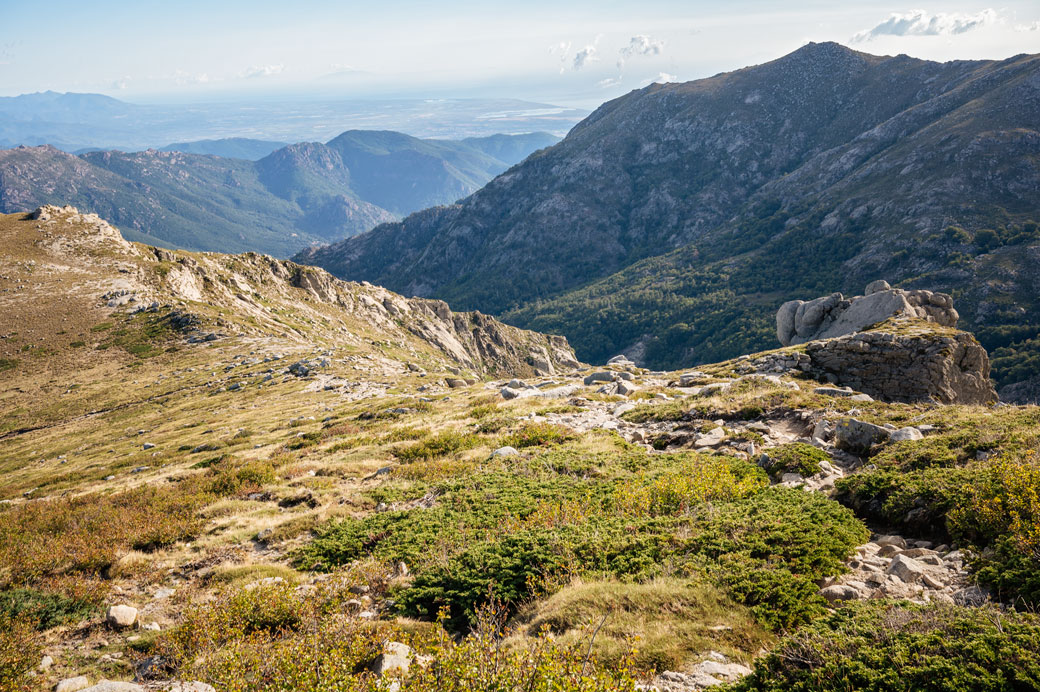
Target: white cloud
{"x": 261, "y": 71}
{"x": 661, "y": 78}
{"x": 584, "y": 56}
{"x": 1035, "y": 26}
{"x": 608, "y": 82}
{"x": 639, "y": 45}
{"x": 563, "y": 49}
{"x": 181, "y": 77}
{"x": 921, "y": 23}
{"x": 121, "y": 83}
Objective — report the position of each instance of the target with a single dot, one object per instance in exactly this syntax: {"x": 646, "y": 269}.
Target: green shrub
{"x": 440, "y": 445}
{"x": 538, "y": 435}
{"x": 20, "y": 651}
{"x": 46, "y": 610}
{"x": 795, "y": 457}
{"x": 882, "y": 646}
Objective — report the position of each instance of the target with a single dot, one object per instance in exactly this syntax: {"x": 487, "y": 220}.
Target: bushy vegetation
{"x": 44, "y": 610}
{"x": 538, "y": 435}
{"x": 273, "y": 638}
{"x": 519, "y": 531}
{"x": 882, "y": 646}
{"x": 795, "y": 457}
{"x": 20, "y": 647}
{"x": 440, "y": 445}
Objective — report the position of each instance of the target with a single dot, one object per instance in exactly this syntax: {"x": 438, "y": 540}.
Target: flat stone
{"x": 115, "y": 686}
{"x": 505, "y": 452}
{"x": 72, "y": 684}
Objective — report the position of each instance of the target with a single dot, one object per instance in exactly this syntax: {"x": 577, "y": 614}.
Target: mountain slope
{"x": 293, "y": 197}
{"x": 173, "y": 199}
{"x": 821, "y": 170}
{"x": 230, "y": 147}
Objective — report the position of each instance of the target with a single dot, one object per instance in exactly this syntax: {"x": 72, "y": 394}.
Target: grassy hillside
{"x": 282, "y": 472}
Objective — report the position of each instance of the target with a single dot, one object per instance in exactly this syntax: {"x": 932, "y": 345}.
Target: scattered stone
{"x": 505, "y": 452}
{"x": 839, "y": 592}
{"x": 148, "y": 445}
{"x": 897, "y": 541}
{"x": 45, "y": 663}
{"x": 395, "y": 657}
{"x": 115, "y": 686}
{"x": 194, "y": 686}
{"x": 454, "y": 382}
{"x": 857, "y": 436}
{"x": 711, "y": 438}
{"x": 595, "y": 377}
{"x": 626, "y": 388}
{"x": 907, "y": 433}
{"x": 121, "y": 616}
{"x": 72, "y": 684}
{"x": 906, "y": 569}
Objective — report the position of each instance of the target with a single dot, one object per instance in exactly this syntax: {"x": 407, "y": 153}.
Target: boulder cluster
{"x": 798, "y": 321}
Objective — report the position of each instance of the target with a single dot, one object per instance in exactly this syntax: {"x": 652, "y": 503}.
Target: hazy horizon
{"x": 575, "y": 56}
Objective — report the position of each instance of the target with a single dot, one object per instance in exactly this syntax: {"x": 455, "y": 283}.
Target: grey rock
{"x": 839, "y": 592}
{"x": 505, "y": 452}
{"x": 907, "y": 569}
{"x": 396, "y": 657}
{"x": 798, "y": 322}
{"x": 970, "y": 596}
{"x": 602, "y": 376}
{"x": 114, "y": 686}
{"x": 75, "y": 684}
{"x": 858, "y": 436}
{"x": 121, "y": 616}
{"x": 907, "y": 433}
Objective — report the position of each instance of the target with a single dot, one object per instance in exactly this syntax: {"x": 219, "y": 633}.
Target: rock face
{"x": 912, "y": 362}
{"x": 798, "y": 322}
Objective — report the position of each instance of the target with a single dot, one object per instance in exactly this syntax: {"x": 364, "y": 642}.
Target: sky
{"x": 576, "y": 53}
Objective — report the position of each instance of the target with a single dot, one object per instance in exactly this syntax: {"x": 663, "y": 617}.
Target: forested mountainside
{"x": 295, "y": 196}
{"x": 673, "y": 221}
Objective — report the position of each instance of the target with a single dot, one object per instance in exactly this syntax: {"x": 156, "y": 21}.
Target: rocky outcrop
{"x": 798, "y": 322}
{"x": 907, "y": 361}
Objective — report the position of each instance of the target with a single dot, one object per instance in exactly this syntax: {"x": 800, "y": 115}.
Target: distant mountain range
{"x": 76, "y": 122}
{"x": 294, "y": 196}
{"x": 672, "y": 222}
{"x": 229, "y": 147}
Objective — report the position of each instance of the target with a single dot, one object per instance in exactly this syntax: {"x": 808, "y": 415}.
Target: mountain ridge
{"x": 837, "y": 163}
{"x": 297, "y": 195}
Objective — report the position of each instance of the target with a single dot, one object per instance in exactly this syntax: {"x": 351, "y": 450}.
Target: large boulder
{"x": 798, "y": 322}
{"x": 909, "y": 361}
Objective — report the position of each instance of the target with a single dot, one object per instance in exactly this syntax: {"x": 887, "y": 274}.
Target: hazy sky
{"x": 571, "y": 53}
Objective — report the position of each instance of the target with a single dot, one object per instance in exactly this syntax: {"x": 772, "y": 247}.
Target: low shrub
{"x": 795, "y": 457}
{"x": 440, "y": 445}
{"x": 878, "y": 646}
{"x": 20, "y": 649}
{"x": 695, "y": 481}
{"x": 538, "y": 435}
{"x": 45, "y": 610}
